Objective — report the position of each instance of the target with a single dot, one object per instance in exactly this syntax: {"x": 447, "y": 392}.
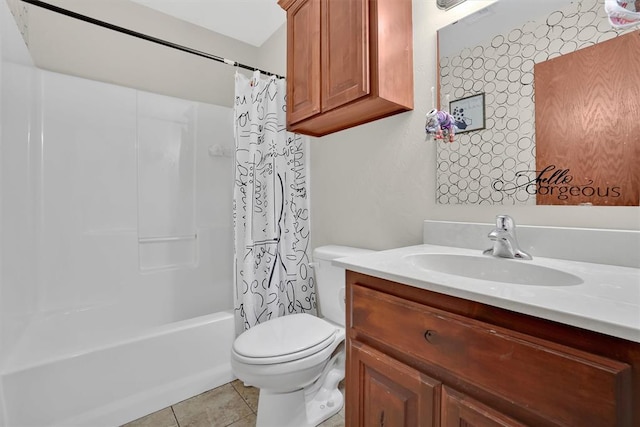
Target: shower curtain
{"x": 270, "y": 207}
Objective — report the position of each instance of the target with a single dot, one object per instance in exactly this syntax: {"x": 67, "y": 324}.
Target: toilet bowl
{"x": 297, "y": 361}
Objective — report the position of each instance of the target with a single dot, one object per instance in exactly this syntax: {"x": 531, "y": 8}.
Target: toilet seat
{"x": 284, "y": 339}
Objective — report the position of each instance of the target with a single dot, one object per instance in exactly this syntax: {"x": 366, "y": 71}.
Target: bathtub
{"x": 84, "y": 376}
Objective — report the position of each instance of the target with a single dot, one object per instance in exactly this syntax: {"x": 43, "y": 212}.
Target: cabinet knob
{"x": 430, "y": 336}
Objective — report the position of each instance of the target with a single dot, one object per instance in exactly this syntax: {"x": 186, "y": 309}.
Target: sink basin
{"x": 494, "y": 269}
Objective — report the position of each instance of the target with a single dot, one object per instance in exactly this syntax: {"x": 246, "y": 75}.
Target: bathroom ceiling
{"x": 250, "y": 21}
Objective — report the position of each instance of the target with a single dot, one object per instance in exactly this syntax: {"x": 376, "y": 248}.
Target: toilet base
{"x": 304, "y": 407}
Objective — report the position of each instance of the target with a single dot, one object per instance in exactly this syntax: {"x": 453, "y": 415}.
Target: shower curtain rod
{"x": 152, "y": 39}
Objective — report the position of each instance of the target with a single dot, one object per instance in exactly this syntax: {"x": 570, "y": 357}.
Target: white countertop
{"x": 608, "y": 300}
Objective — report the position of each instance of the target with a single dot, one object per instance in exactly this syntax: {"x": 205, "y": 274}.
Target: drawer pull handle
{"x": 430, "y": 336}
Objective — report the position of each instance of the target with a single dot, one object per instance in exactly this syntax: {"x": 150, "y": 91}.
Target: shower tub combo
{"x": 116, "y": 262}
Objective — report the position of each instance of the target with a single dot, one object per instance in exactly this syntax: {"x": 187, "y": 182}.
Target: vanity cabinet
{"x": 348, "y": 62}
{"x": 453, "y": 362}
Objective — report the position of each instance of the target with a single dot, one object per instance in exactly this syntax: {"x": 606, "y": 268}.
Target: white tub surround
{"x": 607, "y": 300}
{"x": 116, "y": 249}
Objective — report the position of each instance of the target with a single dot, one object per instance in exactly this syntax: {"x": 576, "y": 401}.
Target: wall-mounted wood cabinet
{"x": 348, "y": 62}
{"x": 420, "y": 358}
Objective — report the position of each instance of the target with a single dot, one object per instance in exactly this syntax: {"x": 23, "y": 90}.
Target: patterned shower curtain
{"x": 270, "y": 207}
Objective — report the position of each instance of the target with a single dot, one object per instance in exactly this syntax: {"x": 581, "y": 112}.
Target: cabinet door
{"x": 345, "y": 52}
{"x": 382, "y": 392}
{"x": 303, "y": 60}
{"x": 459, "y": 410}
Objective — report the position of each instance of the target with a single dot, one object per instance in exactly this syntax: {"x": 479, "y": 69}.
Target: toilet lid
{"x": 295, "y": 336}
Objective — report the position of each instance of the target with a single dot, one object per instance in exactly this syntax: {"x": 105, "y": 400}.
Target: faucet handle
{"x": 505, "y": 223}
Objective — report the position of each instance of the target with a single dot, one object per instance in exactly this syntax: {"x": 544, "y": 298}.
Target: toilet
{"x": 298, "y": 360}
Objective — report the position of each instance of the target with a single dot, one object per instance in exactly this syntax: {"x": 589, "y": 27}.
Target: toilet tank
{"x": 330, "y": 280}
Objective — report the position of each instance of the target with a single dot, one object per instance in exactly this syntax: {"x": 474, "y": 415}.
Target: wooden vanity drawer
{"x": 569, "y": 386}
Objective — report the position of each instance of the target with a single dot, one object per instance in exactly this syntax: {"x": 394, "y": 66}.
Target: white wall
{"x": 272, "y": 55}
{"x": 372, "y": 186}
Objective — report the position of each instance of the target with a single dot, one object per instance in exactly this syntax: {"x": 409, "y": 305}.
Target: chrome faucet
{"x": 505, "y": 244}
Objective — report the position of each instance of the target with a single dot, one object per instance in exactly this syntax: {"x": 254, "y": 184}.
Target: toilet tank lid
{"x": 330, "y": 252}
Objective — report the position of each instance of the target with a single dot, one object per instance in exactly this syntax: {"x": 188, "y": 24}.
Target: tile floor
{"x": 230, "y": 405}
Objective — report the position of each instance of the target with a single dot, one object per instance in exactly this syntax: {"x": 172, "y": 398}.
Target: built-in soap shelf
{"x": 166, "y": 238}
{"x": 168, "y": 252}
